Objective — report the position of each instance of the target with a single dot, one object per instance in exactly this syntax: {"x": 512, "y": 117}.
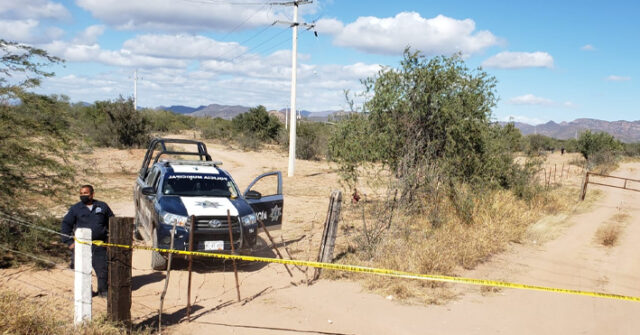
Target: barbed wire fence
{"x": 203, "y": 293}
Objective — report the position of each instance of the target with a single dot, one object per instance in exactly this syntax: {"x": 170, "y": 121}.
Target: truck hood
{"x": 203, "y": 206}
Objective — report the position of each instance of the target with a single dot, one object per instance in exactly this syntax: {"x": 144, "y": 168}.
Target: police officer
{"x": 93, "y": 214}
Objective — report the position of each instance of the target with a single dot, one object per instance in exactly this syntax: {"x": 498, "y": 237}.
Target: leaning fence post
{"x": 584, "y": 187}
{"x": 329, "y": 233}
{"x": 82, "y": 278}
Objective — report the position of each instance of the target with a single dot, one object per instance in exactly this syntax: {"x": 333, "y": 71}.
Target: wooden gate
{"x": 625, "y": 185}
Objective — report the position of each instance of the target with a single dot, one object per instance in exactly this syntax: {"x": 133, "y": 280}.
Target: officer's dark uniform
{"x": 97, "y": 219}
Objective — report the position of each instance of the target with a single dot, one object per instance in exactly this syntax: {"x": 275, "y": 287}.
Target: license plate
{"x": 213, "y": 245}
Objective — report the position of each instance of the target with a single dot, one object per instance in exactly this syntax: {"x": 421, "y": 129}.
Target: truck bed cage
{"x": 160, "y": 145}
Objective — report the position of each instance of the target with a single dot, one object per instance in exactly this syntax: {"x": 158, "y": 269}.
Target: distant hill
{"x": 221, "y": 111}
{"x": 229, "y": 112}
{"x": 626, "y": 131}
{"x": 179, "y": 109}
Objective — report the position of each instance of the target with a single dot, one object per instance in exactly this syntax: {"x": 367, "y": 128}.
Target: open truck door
{"x": 264, "y": 195}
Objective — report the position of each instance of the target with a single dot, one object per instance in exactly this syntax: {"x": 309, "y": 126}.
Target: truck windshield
{"x": 203, "y": 185}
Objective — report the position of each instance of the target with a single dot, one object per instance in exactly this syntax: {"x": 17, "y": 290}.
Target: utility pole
{"x": 135, "y": 89}
{"x": 294, "y": 56}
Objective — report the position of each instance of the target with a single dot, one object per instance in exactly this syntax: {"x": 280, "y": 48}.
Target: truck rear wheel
{"x": 158, "y": 262}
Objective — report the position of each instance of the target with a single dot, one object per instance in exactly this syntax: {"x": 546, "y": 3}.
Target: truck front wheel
{"x": 158, "y": 261}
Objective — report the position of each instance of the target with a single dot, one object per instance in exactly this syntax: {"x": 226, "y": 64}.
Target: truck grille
{"x": 215, "y": 224}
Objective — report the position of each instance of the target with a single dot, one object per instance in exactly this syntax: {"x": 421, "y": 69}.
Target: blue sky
{"x": 554, "y": 60}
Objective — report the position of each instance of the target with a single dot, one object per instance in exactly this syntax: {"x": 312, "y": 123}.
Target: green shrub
{"x": 257, "y": 123}
{"x": 537, "y": 143}
{"x": 166, "y": 121}
{"x": 214, "y": 128}
{"x": 312, "y": 140}
{"x": 113, "y": 124}
{"x": 429, "y": 115}
{"x": 248, "y": 141}
{"x": 599, "y": 148}
{"x": 632, "y": 149}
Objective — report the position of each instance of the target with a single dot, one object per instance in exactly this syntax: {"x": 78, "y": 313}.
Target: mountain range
{"x": 228, "y": 112}
{"x": 626, "y": 131}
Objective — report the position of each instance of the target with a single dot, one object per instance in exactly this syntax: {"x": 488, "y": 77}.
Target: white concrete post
{"x": 292, "y": 112}
{"x": 82, "y": 283}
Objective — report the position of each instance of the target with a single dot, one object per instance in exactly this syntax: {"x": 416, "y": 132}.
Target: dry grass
{"x": 609, "y": 233}
{"x": 413, "y": 243}
{"x": 42, "y": 315}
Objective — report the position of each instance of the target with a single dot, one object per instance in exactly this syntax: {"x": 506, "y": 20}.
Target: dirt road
{"x": 274, "y": 303}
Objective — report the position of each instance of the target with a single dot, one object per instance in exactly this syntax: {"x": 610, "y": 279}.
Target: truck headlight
{"x": 248, "y": 220}
{"x": 170, "y": 218}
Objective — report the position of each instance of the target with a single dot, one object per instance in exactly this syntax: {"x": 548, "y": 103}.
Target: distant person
{"x": 562, "y": 151}
{"x": 93, "y": 214}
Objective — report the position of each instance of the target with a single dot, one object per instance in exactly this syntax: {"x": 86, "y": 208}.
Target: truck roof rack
{"x": 159, "y": 145}
{"x": 170, "y": 162}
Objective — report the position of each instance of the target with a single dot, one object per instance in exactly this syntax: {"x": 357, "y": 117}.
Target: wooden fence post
{"x": 82, "y": 277}
{"x": 584, "y": 187}
{"x": 192, "y": 227}
{"x": 328, "y": 242}
{"x": 119, "y": 296}
{"x": 233, "y": 252}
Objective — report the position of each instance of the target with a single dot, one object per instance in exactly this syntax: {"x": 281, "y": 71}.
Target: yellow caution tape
{"x": 377, "y": 271}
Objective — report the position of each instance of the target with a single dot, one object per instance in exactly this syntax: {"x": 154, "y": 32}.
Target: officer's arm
{"x": 109, "y": 212}
{"x": 68, "y": 222}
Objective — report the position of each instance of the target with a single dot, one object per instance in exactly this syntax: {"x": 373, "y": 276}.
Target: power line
{"x": 288, "y": 39}
{"x": 258, "y": 45}
{"x": 242, "y": 23}
{"x": 232, "y": 3}
{"x": 256, "y": 34}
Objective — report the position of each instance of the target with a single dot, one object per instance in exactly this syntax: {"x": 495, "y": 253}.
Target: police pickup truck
{"x": 169, "y": 192}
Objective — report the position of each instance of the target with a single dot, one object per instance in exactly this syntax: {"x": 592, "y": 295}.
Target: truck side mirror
{"x": 251, "y": 194}
{"x": 148, "y": 191}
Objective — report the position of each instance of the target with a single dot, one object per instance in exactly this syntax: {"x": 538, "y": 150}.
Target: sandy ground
{"x": 275, "y": 303}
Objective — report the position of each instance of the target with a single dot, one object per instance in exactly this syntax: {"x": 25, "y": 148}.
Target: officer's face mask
{"x": 85, "y": 199}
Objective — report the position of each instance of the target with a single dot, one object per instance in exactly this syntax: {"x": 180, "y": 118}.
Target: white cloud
{"x": 329, "y": 26}
{"x": 524, "y": 119}
{"x": 250, "y": 80}
{"x": 617, "y": 78}
{"x": 93, "y": 53}
{"x": 438, "y": 35}
{"x": 173, "y": 15}
{"x": 517, "y": 60}
{"x": 18, "y": 30}
{"x": 183, "y": 46}
{"x": 89, "y": 35}
{"x": 530, "y": 99}
{"x": 32, "y": 9}
{"x": 588, "y": 47}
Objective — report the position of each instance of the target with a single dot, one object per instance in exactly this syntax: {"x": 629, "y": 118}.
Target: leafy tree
{"x": 538, "y": 143}
{"x": 257, "y": 123}
{"x": 113, "y": 124}
{"x": 429, "y": 122}
{"x": 591, "y": 144}
{"x": 131, "y": 128}
{"x": 36, "y": 144}
{"x": 166, "y": 121}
